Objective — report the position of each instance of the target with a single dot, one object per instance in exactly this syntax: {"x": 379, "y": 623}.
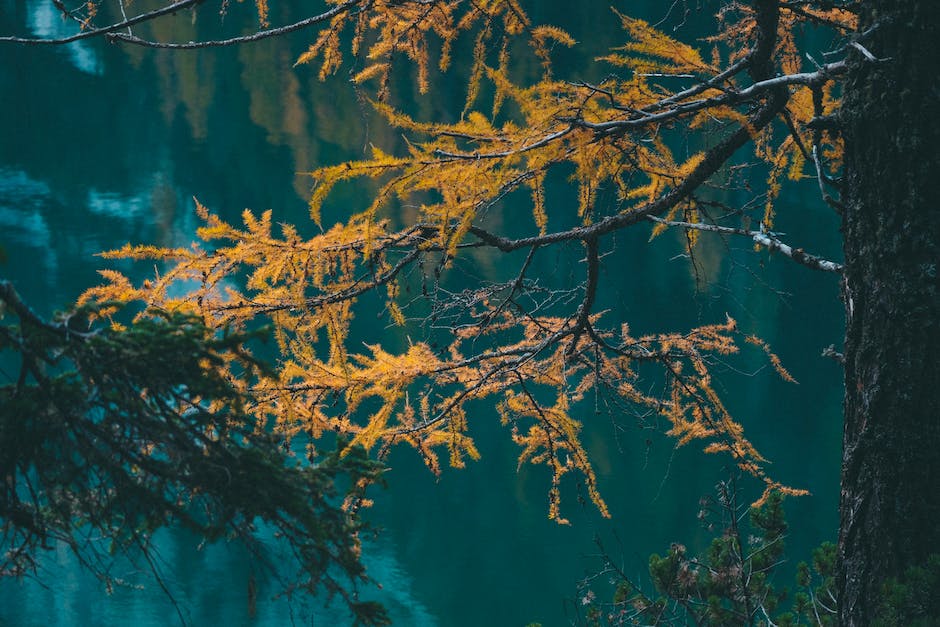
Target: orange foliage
{"x": 609, "y": 135}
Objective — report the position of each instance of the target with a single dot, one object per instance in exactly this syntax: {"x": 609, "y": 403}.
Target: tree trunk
{"x": 890, "y": 502}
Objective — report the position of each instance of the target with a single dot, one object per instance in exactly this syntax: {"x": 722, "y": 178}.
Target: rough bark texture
{"x": 890, "y": 502}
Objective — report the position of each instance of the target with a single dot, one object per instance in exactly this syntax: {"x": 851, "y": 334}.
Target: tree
{"x": 540, "y": 351}
{"x": 891, "y": 450}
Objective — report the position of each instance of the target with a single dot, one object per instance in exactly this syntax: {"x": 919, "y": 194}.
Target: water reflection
{"x": 208, "y": 585}
{"x": 21, "y": 203}
{"x": 45, "y": 21}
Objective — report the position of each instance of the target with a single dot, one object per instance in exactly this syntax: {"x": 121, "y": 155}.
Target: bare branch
{"x": 110, "y": 32}
{"x": 831, "y": 352}
{"x": 263, "y": 34}
{"x": 764, "y": 238}
{"x": 713, "y": 82}
{"x": 98, "y": 32}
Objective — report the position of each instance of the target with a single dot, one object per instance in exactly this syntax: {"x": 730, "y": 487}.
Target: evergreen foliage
{"x": 912, "y": 599}
{"x": 731, "y": 584}
{"x": 110, "y": 434}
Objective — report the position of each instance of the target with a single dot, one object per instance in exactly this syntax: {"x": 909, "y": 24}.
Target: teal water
{"x": 102, "y": 144}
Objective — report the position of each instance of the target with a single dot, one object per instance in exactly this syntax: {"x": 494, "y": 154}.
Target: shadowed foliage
{"x": 110, "y": 434}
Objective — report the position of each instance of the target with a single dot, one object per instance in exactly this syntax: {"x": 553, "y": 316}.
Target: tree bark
{"x": 890, "y": 501}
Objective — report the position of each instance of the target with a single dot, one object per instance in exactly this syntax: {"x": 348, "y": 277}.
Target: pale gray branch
{"x": 97, "y": 32}
{"x": 727, "y": 98}
{"x": 764, "y": 238}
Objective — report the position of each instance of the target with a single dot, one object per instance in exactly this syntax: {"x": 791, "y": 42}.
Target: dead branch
{"x": 99, "y": 32}
{"x": 762, "y": 237}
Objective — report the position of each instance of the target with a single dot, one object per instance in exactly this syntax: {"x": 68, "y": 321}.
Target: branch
{"x": 264, "y": 34}
{"x": 590, "y": 291}
{"x": 518, "y": 283}
{"x": 727, "y": 98}
{"x": 97, "y": 32}
{"x": 823, "y": 179}
{"x": 831, "y": 352}
{"x": 9, "y": 295}
{"x": 762, "y": 237}
{"x": 704, "y": 86}
{"x": 507, "y": 153}
{"x": 110, "y": 32}
{"x": 349, "y": 293}
{"x": 525, "y": 355}
{"x": 713, "y": 161}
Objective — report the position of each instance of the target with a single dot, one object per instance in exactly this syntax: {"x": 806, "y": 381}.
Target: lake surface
{"x": 103, "y": 144}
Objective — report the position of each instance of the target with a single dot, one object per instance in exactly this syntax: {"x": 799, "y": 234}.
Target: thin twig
{"x": 263, "y": 34}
